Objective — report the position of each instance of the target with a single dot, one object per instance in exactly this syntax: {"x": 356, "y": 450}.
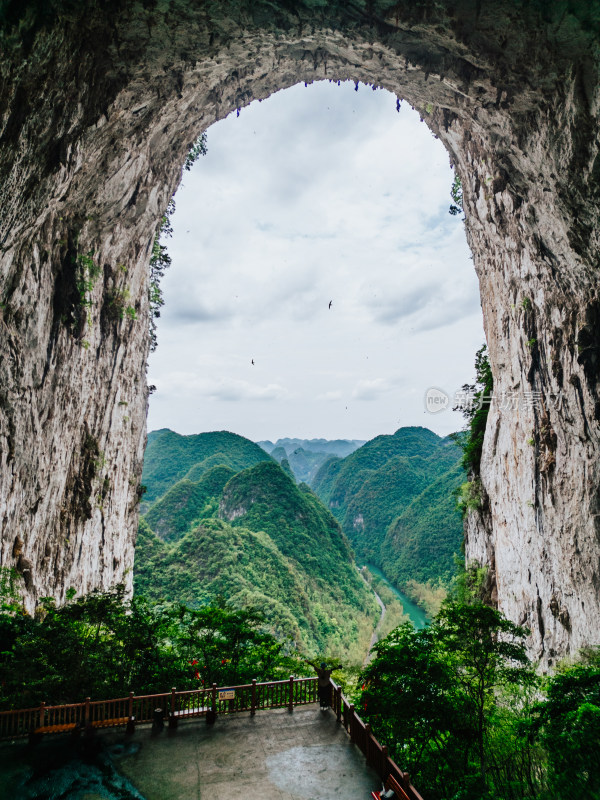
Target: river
{"x": 416, "y": 614}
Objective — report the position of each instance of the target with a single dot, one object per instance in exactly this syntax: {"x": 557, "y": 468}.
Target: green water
{"x": 417, "y": 616}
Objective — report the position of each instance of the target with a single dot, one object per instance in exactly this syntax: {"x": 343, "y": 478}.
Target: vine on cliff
{"x": 456, "y": 192}
{"x": 160, "y": 260}
{"x": 475, "y": 411}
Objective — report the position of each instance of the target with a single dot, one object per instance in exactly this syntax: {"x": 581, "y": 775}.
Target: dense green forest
{"x": 458, "y": 703}
{"x": 462, "y": 708}
{"x": 105, "y": 645}
{"x": 242, "y": 529}
{"x": 395, "y": 500}
{"x": 170, "y": 457}
{"x": 419, "y": 537}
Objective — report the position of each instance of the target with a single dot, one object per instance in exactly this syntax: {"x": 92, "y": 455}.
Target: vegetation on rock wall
{"x": 478, "y": 397}
{"x": 476, "y": 411}
{"x": 160, "y": 260}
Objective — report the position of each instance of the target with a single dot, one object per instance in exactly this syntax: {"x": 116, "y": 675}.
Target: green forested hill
{"x": 188, "y": 500}
{"x": 368, "y": 490}
{"x": 170, "y": 457}
{"x": 256, "y": 538}
{"x": 421, "y": 541}
{"x": 265, "y": 498}
{"x": 324, "y": 481}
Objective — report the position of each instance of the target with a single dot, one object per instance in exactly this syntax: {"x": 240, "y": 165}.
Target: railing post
{"x": 385, "y": 764}
{"x": 368, "y": 743}
{"x": 172, "y": 700}
{"x": 42, "y": 714}
{"x": 214, "y": 697}
{"x": 86, "y": 715}
{"x": 253, "y": 700}
{"x": 291, "y": 697}
{"x": 338, "y": 703}
{"x": 130, "y": 728}
{"x": 351, "y": 722}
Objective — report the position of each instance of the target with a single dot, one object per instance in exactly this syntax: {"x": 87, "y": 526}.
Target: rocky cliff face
{"x": 97, "y": 110}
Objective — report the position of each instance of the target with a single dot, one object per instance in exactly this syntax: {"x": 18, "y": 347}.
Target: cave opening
{"x": 319, "y": 285}
{"x": 98, "y": 110}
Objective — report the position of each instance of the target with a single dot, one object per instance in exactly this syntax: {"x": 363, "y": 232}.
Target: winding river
{"x": 416, "y": 614}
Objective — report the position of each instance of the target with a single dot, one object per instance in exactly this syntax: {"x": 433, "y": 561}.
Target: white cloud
{"x": 315, "y": 195}
{"x": 370, "y": 389}
{"x": 236, "y": 390}
{"x": 330, "y": 396}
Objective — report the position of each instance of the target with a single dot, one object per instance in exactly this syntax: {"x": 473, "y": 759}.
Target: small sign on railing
{"x": 227, "y": 694}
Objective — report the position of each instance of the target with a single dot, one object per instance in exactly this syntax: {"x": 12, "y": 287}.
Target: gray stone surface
{"x": 275, "y": 754}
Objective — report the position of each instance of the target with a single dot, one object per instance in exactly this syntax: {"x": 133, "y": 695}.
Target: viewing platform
{"x": 256, "y": 741}
{"x": 276, "y": 754}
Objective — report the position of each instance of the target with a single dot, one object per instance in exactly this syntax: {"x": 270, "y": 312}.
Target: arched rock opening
{"x": 98, "y": 108}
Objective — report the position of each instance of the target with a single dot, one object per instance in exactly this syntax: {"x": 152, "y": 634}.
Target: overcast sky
{"x": 318, "y": 194}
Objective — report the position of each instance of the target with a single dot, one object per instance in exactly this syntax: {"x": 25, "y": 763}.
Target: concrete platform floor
{"x": 274, "y": 755}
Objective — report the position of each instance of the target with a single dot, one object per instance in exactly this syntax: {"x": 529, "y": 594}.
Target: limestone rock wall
{"x": 98, "y": 107}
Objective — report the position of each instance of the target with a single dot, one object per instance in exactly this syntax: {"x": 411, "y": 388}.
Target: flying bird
{"x": 330, "y": 303}
{"x": 252, "y": 362}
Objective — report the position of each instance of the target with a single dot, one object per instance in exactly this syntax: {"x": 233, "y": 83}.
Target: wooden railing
{"x": 376, "y": 754}
{"x": 176, "y": 706}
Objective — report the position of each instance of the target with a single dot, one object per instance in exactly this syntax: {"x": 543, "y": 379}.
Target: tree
{"x": 433, "y": 696}
{"x": 160, "y": 261}
{"x": 567, "y": 723}
{"x": 488, "y": 653}
{"x": 232, "y": 646}
{"x": 456, "y": 192}
{"x": 410, "y": 699}
{"x": 104, "y": 645}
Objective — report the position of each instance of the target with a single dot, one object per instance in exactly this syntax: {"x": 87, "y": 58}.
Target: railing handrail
{"x": 20, "y": 710}
{"x": 208, "y": 688}
{"x": 45, "y": 709}
{"x": 112, "y": 700}
{"x": 138, "y": 697}
{"x": 55, "y": 708}
{"x": 383, "y": 764}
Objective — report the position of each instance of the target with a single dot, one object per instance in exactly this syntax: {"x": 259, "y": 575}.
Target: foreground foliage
{"x": 461, "y": 708}
{"x": 104, "y": 645}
